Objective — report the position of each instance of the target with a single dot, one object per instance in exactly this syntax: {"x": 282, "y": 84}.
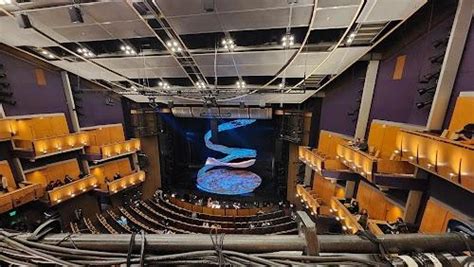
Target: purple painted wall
{"x": 29, "y": 96}
{"x": 32, "y": 98}
{"x": 465, "y": 76}
{"x": 96, "y": 112}
{"x": 341, "y": 98}
{"x": 395, "y": 100}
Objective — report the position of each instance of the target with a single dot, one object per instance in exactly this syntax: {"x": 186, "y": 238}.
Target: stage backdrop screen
{"x": 225, "y": 157}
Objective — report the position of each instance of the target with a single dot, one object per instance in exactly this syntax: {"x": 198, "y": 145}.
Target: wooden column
{"x": 292, "y": 172}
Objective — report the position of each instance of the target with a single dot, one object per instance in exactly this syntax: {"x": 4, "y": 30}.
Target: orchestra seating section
{"x": 15, "y": 195}
{"x": 382, "y": 157}
{"x": 42, "y": 135}
{"x": 56, "y": 192}
{"x": 106, "y": 172}
{"x": 443, "y": 155}
{"x": 323, "y": 159}
{"x": 108, "y": 141}
{"x": 165, "y": 215}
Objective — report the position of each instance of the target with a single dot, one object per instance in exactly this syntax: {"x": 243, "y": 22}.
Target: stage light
{"x": 240, "y": 84}
{"x": 76, "y": 15}
{"x": 163, "y": 85}
{"x": 200, "y": 85}
{"x": 350, "y": 38}
{"x": 128, "y": 50}
{"x": 85, "y": 52}
{"x": 47, "y": 54}
{"x": 228, "y": 44}
{"x": 287, "y": 40}
{"x": 420, "y": 105}
{"x": 174, "y": 46}
{"x": 281, "y": 85}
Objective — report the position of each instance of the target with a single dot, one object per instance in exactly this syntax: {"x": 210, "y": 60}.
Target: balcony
{"x": 71, "y": 190}
{"x": 448, "y": 159}
{"x": 25, "y": 193}
{"x": 6, "y": 131}
{"x": 381, "y": 164}
{"x": 125, "y": 182}
{"x": 308, "y": 199}
{"x": 348, "y": 221}
{"x": 44, "y": 147}
{"x": 98, "y": 153}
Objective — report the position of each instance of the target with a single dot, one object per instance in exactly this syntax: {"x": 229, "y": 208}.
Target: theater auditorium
{"x": 236, "y": 133}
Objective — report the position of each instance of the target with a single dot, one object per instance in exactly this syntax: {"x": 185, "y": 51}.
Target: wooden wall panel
{"x": 399, "y": 67}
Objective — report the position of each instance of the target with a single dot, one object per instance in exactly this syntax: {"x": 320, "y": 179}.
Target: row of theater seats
{"x": 160, "y": 216}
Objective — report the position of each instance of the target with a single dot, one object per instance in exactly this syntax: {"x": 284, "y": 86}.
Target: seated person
{"x": 466, "y": 134}
{"x": 399, "y": 226}
{"x": 4, "y": 184}
{"x": 363, "y": 146}
{"x": 107, "y": 179}
{"x": 117, "y": 176}
{"x": 68, "y": 179}
{"x": 82, "y": 175}
{"x": 50, "y": 186}
{"x": 353, "y": 207}
{"x": 58, "y": 183}
{"x": 363, "y": 218}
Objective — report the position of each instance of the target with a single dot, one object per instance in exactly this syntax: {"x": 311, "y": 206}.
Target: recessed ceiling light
{"x": 287, "y": 40}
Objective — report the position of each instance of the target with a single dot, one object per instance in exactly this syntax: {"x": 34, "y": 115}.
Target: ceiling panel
{"x": 84, "y": 33}
{"x": 137, "y": 62}
{"x": 13, "y": 35}
{"x": 259, "y": 70}
{"x": 166, "y": 72}
{"x": 88, "y": 70}
{"x": 334, "y": 17}
{"x": 386, "y": 10}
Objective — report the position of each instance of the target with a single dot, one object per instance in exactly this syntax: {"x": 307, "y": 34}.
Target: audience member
{"x": 50, "y": 186}
{"x": 399, "y": 226}
{"x": 58, "y": 183}
{"x": 363, "y": 218}
{"x": 68, "y": 179}
{"x": 117, "y": 176}
{"x": 4, "y": 185}
{"x": 353, "y": 207}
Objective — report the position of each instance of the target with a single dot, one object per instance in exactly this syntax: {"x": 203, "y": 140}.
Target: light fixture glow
{"x": 128, "y": 50}
{"x": 287, "y": 40}
{"x": 240, "y": 84}
{"x": 174, "y": 46}
{"x": 228, "y": 44}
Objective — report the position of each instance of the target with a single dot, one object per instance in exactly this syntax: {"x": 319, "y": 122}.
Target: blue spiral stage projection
{"x": 228, "y": 180}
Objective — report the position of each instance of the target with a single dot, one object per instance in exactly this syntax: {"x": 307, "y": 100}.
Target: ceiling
{"x": 320, "y": 46}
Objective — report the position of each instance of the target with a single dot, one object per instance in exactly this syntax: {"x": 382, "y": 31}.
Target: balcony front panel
{"x": 125, "y": 182}
{"x": 71, "y": 190}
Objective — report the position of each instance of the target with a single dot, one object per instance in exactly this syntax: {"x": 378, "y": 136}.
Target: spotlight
{"x": 85, "y": 52}
{"x": 163, "y": 85}
{"x": 47, "y": 54}
{"x": 174, "y": 46}
{"x": 287, "y": 40}
{"x": 228, "y": 44}
{"x": 240, "y": 84}
{"x": 75, "y": 14}
{"x": 128, "y": 50}
{"x": 420, "y": 105}
{"x": 350, "y": 38}
{"x": 281, "y": 85}
{"x": 422, "y": 91}
{"x": 201, "y": 85}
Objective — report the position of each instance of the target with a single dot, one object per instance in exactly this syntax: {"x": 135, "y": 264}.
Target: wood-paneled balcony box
{"x": 323, "y": 159}
{"x": 108, "y": 142}
{"x": 348, "y": 221}
{"x": 17, "y": 195}
{"x": 43, "y": 135}
{"x": 128, "y": 177}
{"x": 442, "y": 155}
{"x": 382, "y": 163}
{"x": 58, "y": 171}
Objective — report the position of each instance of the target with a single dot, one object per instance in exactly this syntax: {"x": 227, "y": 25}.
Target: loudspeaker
{"x": 23, "y": 21}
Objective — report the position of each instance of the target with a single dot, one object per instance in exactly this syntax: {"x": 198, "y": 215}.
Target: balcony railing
{"x": 104, "y": 152}
{"x": 307, "y": 198}
{"x": 43, "y": 147}
{"x": 319, "y": 162}
{"x": 348, "y": 221}
{"x": 24, "y": 194}
{"x": 448, "y": 159}
{"x": 71, "y": 190}
{"x": 125, "y": 182}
